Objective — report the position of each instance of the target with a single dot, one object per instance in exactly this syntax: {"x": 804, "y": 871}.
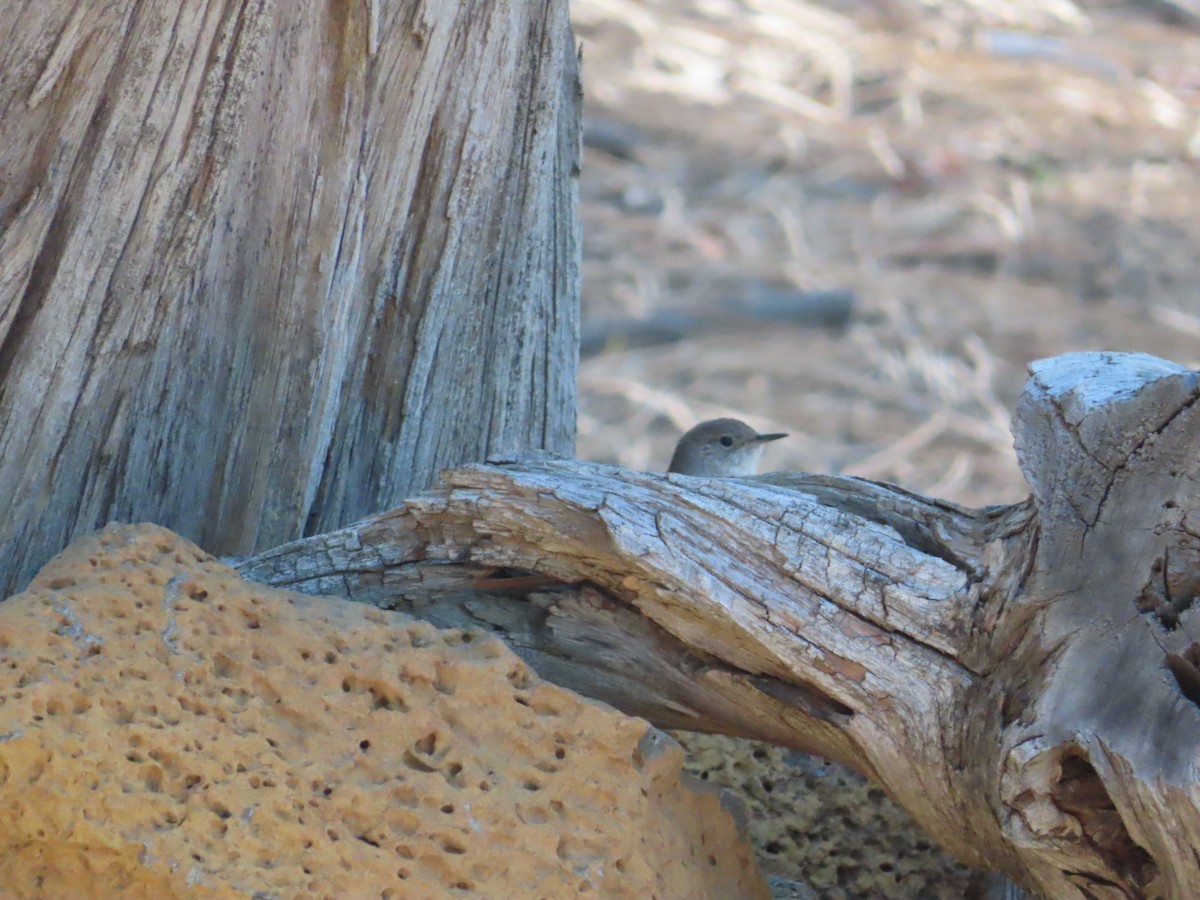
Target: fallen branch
{"x": 1011, "y": 675}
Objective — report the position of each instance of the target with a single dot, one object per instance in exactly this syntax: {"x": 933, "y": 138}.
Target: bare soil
{"x": 991, "y": 182}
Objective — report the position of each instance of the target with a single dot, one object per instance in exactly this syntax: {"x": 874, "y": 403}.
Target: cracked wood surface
{"x": 242, "y": 291}
{"x": 1005, "y": 673}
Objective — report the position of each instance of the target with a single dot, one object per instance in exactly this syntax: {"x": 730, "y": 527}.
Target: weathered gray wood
{"x": 267, "y": 267}
{"x": 1016, "y": 677}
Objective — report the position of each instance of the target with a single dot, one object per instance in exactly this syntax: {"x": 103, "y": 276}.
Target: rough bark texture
{"x": 267, "y": 267}
{"x": 1023, "y": 679}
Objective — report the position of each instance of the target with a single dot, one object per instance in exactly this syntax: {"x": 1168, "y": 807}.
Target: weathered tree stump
{"x": 266, "y": 268}
{"x": 1023, "y": 679}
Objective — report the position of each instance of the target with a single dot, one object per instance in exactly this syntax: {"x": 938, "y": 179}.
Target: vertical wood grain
{"x": 266, "y": 268}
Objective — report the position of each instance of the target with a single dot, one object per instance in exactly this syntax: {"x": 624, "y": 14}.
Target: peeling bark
{"x": 268, "y": 267}
{"x": 1020, "y": 678}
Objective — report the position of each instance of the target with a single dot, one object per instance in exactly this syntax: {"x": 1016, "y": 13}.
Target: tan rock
{"x": 168, "y": 730}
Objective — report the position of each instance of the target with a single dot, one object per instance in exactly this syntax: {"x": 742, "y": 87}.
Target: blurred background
{"x": 857, "y": 222}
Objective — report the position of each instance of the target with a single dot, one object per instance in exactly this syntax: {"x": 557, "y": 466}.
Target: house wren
{"x": 720, "y": 447}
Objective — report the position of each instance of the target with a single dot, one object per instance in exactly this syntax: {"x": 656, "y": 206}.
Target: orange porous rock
{"x": 168, "y": 730}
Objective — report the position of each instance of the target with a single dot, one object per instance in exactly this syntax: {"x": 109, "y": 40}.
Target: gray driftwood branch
{"x": 1023, "y": 679}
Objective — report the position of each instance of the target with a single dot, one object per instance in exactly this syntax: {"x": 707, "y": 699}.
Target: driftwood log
{"x": 1023, "y": 679}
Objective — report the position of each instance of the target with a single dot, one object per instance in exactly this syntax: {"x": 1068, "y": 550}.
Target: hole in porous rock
{"x": 533, "y": 815}
{"x": 364, "y": 745}
{"x": 450, "y": 845}
{"x": 521, "y": 678}
{"x": 1080, "y": 792}
{"x": 420, "y": 635}
{"x": 380, "y": 700}
{"x": 152, "y": 777}
{"x": 367, "y": 840}
{"x": 406, "y": 796}
{"x": 416, "y": 763}
{"x": 427, "y": 744}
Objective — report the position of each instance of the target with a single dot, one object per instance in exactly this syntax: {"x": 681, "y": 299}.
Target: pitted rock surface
{"x": 168, "y": 730}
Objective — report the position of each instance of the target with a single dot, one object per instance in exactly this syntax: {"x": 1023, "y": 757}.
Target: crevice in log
{"x": 1093, "y": 887}
{"x": 1186, "y": 669}
{"x": 508, "y": 581}
{"x": 40, "y": 276}
{"x": 1017, "y": 703}
{"x": 1172, "y": 588}
{"x": 806, "y": 699}
{"x": 1155, "y": 597}
{"x": 1080, "y": 793}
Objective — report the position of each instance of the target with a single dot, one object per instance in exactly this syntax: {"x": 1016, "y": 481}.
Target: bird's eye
{"x": 726, "y": 441}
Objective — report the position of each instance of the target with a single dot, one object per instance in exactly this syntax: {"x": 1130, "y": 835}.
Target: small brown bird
{"x": 726, "y": 448}
{"x": 720, "y": 447}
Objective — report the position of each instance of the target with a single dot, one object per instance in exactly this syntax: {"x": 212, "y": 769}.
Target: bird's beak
{"x": 763, "y": 438}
